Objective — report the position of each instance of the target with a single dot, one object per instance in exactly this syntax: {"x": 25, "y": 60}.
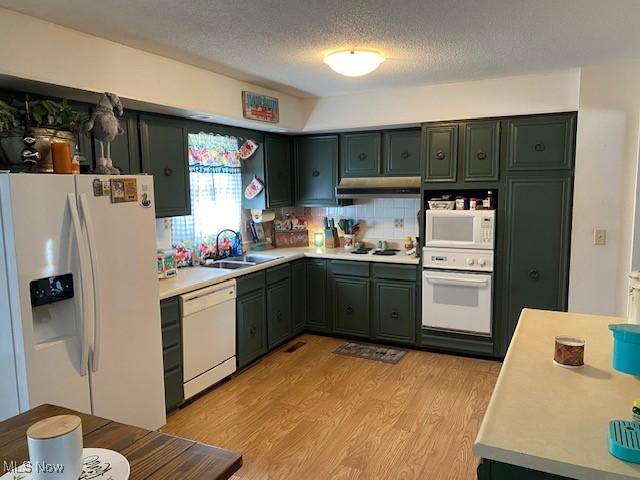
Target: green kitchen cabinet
{"x": 298, "y": 295}
{"x": 538, "y": 233}
{"x": 163, "y": 142}
{"x": 480, "y": 151}
{"x": 316, "y": 318}
{"x": 172, "y": 352}
{"x": 394, "y": 313}
{"x": 493, "y": 470}
{"x": 251, "y": 318}
{"x": 316, "y": 170}
{"x": 401, "y": 153}
{"x": 541, "y": 142}
{"x": 125, "y": 148}
{"x": 278, "y": 313}
{"x": 278, "y": 179}
{"x": 440, "y": 152}
{"x": 350, "y": 305}
{"x": 360, "y": 154}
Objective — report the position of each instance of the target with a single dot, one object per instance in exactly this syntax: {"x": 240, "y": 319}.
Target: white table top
{"x": 553, "y": 419}
{"x": 193, "y": 278}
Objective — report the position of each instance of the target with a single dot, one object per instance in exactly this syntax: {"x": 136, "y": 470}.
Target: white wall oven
{"x": 460, "y": 229}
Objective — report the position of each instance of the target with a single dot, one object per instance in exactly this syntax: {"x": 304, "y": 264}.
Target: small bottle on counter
{"x": 487, "y": 203}
{"x": 472, "y": 203}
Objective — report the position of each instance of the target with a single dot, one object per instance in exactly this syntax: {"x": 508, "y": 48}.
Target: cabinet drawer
{"x": 276, "y": 274}
{"x": 360, "y": 154}
{"x": 345, "y": 267}
{"x": 171, "y": 336}
{"x": 169, "y": 312}
{"x": 173, "y": 389}
{"x": 395, "y": 272}
{"x": 172, "y": 357}
{"x": 541, "y": 143}
{"x": 249, "y": 283}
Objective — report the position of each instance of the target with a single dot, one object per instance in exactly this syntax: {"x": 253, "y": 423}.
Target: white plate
{"x": 97, "y": 464}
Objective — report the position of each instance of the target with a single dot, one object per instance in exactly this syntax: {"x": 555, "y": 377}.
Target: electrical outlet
{"x": 167, "y": 224}
{"x": 599, "y": 236}
{"x": 398, "y": 222}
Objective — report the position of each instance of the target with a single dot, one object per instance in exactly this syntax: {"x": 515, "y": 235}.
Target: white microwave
{"x": 460, "y": 229}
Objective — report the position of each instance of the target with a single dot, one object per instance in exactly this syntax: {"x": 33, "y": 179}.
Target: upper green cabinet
{"x": 401, "y": 153}
{"x": 360, "y": 154}
{"x": 277, "y": 153}
{"x": 480, "y": 150}
{"x": 441, "y": 152}
{"x": 125, "y": 148}
{"x": 316, "y": 170}
{"x": 164, "y": 155}
{"x": 543, "y": 142}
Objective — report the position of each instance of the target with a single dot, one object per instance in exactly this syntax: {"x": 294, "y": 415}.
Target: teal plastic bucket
{"x": 626, "y": 348}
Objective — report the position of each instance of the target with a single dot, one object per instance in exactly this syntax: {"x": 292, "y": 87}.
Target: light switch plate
{"x": 599, "y": 236}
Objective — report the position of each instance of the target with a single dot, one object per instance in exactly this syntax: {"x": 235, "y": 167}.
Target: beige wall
{"x": 36, "y": 50}
{"x": 605, "y": 188}
{"x": 551, "y": 92}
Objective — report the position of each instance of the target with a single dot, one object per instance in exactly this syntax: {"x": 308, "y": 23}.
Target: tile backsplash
{"x": 390, "y": 219}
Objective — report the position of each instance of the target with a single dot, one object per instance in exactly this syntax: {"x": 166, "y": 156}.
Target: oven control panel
{"x": 457, "y": 259}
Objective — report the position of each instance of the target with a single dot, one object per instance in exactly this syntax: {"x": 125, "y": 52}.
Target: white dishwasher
{"x": 208, "y": 336}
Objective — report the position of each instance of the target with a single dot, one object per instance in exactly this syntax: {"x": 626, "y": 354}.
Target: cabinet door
{"x": 172, "y": 352}
{"x": 251, "y": 326}
{"x": 350, "y": 305}
{"x": 316, "y": 172}
{"x": 164, "y": 155}
{"x": 544, "y": 142}
{"x": 401, "y": 153}
{"x": 360, "y": 154}
{"x": 278, "y": 171}
{"x": 298, "y": 295}
{"x": 538, "y": 235}
{"x": 279, "y": 313}
{"x": 125, "y": 148}
{"x": 441, "y": 153}
{"x": 317, "y": 296}
{"x": 394, "y": 316}
{"x": 481, "y": 151}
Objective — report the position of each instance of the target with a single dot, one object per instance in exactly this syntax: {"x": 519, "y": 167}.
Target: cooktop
{"x": 365, "y": 251}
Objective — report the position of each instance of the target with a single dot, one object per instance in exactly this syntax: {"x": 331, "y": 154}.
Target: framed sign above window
{"x": 260, "y": 107}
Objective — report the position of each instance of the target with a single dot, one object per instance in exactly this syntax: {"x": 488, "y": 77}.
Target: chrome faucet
{"x": 218, "y": 255}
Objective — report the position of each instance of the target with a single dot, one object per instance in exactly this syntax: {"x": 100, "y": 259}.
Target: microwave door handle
{"x": 97, "y": 327}
{"x": 86, "y": 313}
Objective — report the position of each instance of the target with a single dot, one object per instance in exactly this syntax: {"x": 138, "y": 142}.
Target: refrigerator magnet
{"x": 124, "y": 190}
{"x": 145, "y": 202}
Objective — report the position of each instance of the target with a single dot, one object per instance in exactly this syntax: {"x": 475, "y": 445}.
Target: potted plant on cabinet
{"x": 11, "y": 134}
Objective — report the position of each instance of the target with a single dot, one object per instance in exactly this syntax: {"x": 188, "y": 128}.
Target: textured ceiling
{"x": 280, "y": 43}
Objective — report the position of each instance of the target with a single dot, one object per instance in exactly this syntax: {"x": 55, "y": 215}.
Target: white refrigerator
{"x": 79, "y": 304}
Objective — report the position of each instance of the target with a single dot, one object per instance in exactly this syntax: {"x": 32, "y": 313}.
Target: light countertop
{"x": 193, "y": 278}
{"x": 553, "y": 419}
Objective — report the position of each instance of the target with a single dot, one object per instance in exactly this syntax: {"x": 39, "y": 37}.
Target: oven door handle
{"x": 440, "y": 280}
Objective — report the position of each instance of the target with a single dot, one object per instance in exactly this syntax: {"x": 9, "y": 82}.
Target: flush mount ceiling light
{"x": 354, "y": 63}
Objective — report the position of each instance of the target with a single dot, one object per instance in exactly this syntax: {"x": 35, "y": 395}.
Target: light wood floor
{"x": 313, "y": 414}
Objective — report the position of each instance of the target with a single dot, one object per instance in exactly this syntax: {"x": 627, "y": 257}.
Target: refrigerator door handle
{"x": 95, "y": 350}
{"x": 86, "y": 313}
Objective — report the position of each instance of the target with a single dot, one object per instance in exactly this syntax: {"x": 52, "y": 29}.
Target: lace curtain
{"x": 216, "y": 190}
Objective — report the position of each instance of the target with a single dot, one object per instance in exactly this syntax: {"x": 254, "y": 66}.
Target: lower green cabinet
{"x": 298, "y": 295}
{"x": 350, "y": 302}
{"x": 172, "y": 352}
{"x": 493, "y": 470}
{"x": 251, "y": 321}
{"x": 317, "y": 296}
{"x": 394, "y": 312}
{"x": 278, "y": 313}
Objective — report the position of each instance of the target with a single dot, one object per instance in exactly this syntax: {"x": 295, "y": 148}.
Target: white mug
{"x": 55, "y": 448}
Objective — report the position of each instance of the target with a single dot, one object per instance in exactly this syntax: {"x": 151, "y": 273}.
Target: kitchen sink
{"x": 229, "y": 264}
{"x": 255, "y": 259}
{"x": 241, "y": 261}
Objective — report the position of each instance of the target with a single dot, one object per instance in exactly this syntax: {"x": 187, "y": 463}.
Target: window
{"x": 216, "y": 191}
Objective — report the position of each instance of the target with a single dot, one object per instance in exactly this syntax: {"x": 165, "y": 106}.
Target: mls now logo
{"x": 28, "y": 467}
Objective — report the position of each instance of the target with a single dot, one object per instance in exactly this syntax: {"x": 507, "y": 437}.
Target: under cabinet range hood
{"x": 378, "y": 187}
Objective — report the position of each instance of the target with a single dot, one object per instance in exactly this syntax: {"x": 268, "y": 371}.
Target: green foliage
{"x": 8, "y": 117}
{"x": 58, "y": 115}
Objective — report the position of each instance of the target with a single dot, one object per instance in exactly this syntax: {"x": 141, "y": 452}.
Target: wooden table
{"x": 152, "y": 455}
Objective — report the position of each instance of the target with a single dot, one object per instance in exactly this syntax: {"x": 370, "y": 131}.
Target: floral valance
{"x": 215, "y": 152}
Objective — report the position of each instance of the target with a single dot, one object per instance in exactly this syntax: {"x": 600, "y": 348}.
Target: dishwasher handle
{"x": 204, "y": 298}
